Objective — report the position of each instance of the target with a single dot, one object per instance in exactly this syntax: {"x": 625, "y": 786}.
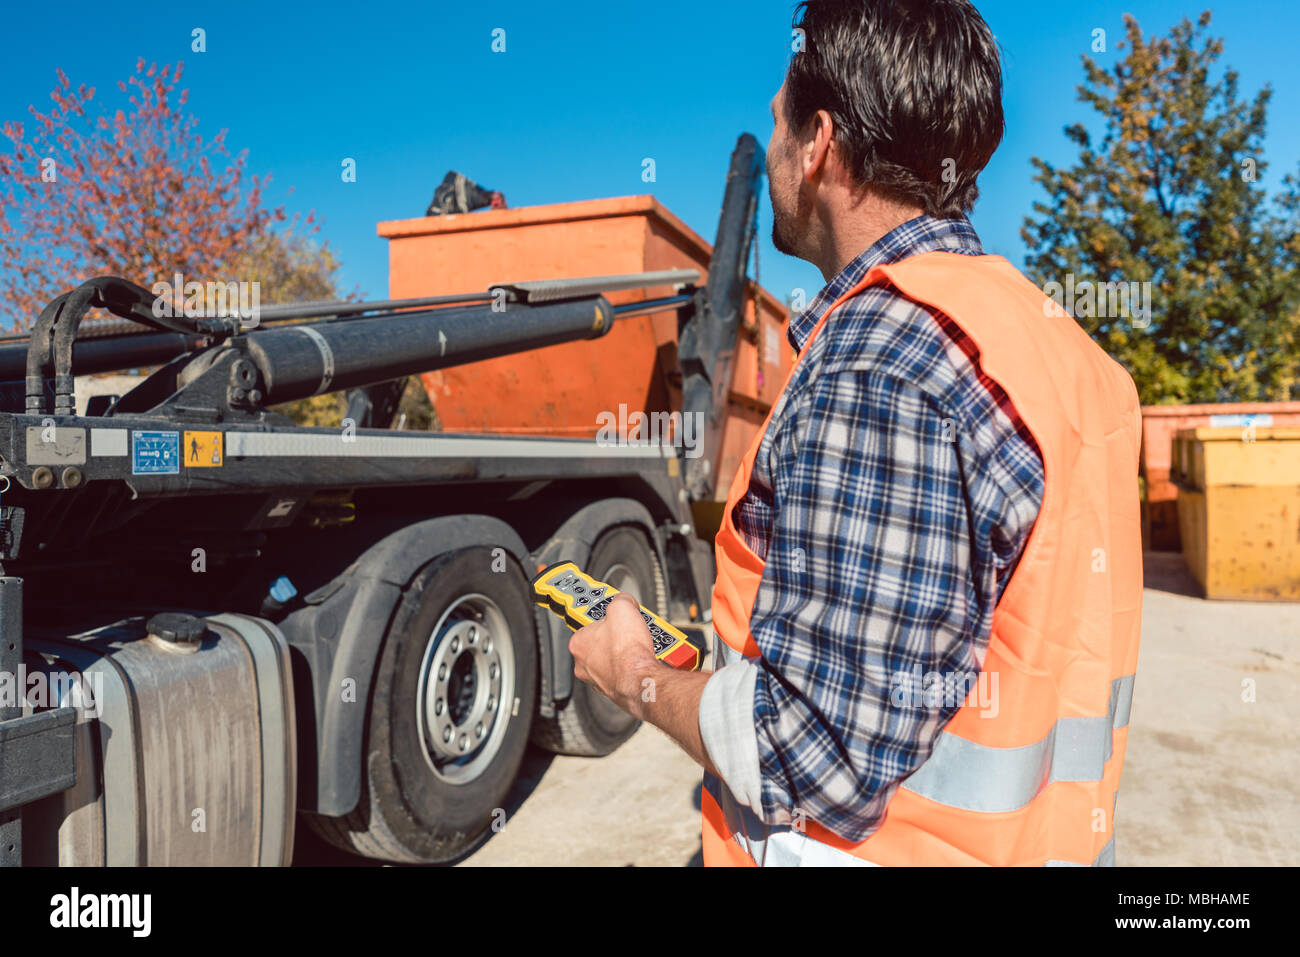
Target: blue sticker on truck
{"x": 155, "y": 453}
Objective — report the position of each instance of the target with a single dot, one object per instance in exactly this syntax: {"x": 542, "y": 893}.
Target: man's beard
{"x": 779, "y": 240}
{"x": 782, "y": 234}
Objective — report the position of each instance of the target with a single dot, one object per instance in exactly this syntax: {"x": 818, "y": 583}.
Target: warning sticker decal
{"x": 155, "y": 453}
{"x": 202, "y": 450}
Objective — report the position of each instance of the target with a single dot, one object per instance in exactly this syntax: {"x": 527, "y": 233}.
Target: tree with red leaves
{"x": 136, "y": 194}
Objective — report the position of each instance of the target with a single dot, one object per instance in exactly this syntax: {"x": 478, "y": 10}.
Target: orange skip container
{"x": 561, "y": 390}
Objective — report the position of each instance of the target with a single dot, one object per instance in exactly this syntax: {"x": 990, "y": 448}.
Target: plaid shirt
{"x": 891, "y": 497}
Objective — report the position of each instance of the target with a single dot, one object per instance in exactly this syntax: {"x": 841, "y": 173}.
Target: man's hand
{"x": 615, "y": 655}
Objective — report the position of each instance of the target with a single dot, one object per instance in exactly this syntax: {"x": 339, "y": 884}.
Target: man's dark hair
{"x": 914, "y": 88}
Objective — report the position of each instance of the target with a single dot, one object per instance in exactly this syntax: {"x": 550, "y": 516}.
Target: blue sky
{"x": 582, "y": 94}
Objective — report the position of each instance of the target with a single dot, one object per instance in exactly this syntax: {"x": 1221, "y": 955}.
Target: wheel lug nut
{"x": 492, "y": 672}
{"x": 455, "y": 644}
{"x": 446, "y": 733}
{"x": 478, "y": 730}
{"x": 437, "y": 707}
{"x": 442, "y": 672}
{"x": 464, "y": 742}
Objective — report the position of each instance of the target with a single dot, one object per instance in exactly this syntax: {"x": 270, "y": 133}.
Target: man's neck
{"x": 856, "y": 230}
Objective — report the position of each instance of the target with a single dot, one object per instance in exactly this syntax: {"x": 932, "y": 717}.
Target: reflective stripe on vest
{"x": 973, "y": 777}
{"x": 785, "y": 846}
{"x": 1036, "y": 780}
{"x": 960, "y": 774}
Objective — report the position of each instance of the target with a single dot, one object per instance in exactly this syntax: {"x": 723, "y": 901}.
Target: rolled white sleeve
{"x": 727, "y": 728}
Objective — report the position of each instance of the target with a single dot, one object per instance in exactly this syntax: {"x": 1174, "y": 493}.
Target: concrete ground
{"x": 637, "y": 807}
{"x": 1209, "y": 778}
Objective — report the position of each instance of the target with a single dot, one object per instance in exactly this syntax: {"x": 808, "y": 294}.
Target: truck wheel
{"x": 449, "y": 714}
{"x": 589, "y": 723}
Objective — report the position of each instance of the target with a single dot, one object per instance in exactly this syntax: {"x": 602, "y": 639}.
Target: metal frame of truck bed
{"x": 87, "y": 498}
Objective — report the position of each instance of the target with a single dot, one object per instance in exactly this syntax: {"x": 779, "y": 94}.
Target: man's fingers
{"x": 625, "y": 609}
{"x": 577, "y": 648}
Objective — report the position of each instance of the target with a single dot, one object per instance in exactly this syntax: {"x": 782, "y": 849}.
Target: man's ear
{"x": 815, "y": 149}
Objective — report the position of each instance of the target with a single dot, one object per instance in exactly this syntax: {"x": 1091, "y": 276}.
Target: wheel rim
{"x": 624, "y": 579}
{"x": 467, "y": 670}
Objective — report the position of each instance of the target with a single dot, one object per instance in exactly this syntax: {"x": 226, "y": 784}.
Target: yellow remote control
{"x": 579, "y": 599}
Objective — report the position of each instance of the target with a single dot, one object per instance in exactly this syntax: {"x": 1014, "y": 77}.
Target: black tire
{"x": 408, "y": 812}
{"x": 589, "y": 724}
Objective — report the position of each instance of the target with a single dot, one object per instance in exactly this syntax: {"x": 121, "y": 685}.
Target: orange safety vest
{"x": 1036, "y": 782}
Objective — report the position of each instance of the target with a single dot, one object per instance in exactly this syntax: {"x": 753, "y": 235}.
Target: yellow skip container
{"x": 1239, "y": 510}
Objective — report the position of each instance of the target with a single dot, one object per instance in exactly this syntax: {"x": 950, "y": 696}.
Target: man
{"x": 929, "y": 567}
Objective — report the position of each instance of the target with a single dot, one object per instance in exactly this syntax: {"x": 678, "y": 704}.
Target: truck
{"x": 218, "y": 626}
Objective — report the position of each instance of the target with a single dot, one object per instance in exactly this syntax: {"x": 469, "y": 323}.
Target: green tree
{"x": 1172, "y": 194}
{"x": 288, "y": 266}
{"x": 292, "y": 268}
